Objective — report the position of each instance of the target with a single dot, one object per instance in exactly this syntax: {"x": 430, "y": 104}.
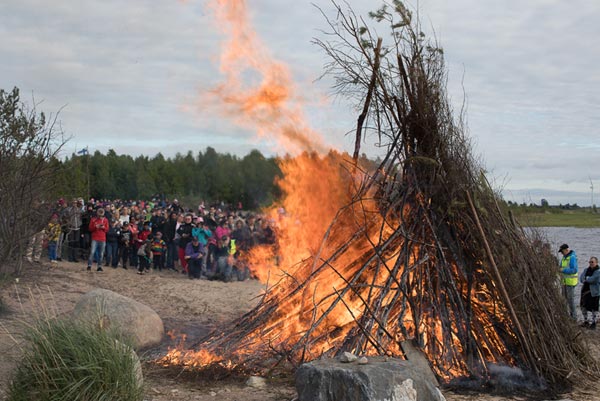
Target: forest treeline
{"x": 205, "y": 175}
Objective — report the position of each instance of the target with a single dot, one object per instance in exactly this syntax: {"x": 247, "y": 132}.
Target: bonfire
{"x": 419, "y": 248}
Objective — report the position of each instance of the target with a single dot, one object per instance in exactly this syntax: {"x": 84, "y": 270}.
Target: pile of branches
{"x": 448, "y": 269}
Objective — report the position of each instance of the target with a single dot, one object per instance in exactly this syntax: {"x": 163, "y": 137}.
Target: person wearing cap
{"x": 569, "y": 270}
{"x": 194, "y": 253}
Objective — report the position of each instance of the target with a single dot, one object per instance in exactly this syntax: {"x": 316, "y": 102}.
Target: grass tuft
{"x": 67, "y": 360}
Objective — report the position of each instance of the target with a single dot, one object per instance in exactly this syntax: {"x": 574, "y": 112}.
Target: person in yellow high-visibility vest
{"x": 569, "y": 270}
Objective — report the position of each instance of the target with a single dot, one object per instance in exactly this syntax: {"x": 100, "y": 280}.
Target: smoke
{"x": 503, "y": 379}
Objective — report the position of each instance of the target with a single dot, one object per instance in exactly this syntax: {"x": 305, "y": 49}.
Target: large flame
{"x": 324, "y": 228}
{"x": 258, "y": 91}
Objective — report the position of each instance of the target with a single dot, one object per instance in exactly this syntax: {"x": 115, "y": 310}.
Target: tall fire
{"x": 418, "y": 248}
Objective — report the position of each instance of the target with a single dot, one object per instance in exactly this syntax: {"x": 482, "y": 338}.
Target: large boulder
{"x": 108, "y": 309}
{"x": 381, "y": 379}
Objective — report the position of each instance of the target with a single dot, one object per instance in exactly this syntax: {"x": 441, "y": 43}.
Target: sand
{"x": 194, "y": 307}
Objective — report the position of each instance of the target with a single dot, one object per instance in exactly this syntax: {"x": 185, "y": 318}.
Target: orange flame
{"x": 321, "y": 218}
{"x": 258, "y": 92}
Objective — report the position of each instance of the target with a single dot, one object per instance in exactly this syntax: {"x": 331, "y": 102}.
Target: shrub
{"x": 30, "y": 145}
{"x": 66, "y": 360}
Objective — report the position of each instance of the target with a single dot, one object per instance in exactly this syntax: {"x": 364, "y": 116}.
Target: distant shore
{"x": 582, "y": 218}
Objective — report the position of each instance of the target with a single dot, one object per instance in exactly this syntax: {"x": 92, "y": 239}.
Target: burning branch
{"x": 418, "y": 249}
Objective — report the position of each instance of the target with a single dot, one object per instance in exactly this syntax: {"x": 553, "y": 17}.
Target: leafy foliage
{"x": 207, "y": 175}
{"x": 29, "y": 172}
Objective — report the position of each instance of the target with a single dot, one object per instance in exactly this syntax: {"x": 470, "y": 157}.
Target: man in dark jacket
{"x": 157, "y": 221}
{"x": 112, "y": 244}
{"x": 169, "y": 238}
{"x": 73, "y": 226}
{"x": 86, "y": 240}
{"x": 194, "y": 253}
{"x": 185, "y": 236}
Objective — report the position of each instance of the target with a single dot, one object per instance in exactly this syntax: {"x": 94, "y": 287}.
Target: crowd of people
{"x": 211, "y": 243}
{"x": 207, "y": 243}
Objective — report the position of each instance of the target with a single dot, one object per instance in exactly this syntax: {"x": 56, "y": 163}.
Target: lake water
{"x": 584, "y": 241}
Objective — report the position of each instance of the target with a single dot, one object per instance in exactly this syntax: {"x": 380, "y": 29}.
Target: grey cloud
{"x": 130, "y": 71}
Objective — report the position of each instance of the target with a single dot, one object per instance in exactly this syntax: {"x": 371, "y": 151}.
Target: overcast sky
{"x": 126, "y": 75}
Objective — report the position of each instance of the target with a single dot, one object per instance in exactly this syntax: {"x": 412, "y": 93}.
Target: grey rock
{"x": 348, "y": 357}
{"x": 405, "y": 391}
{"x": 256, "y": 382}
{"x": 382, "y": 379}
{"x": 419, "y": 361}
{"x": 138, "y": 322}
{"x": 362, "y": 360}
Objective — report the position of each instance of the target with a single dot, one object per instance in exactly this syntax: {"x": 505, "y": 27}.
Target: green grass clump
{"x": 70, "y": 361}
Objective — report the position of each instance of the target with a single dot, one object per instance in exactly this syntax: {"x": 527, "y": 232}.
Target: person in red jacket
{"x": 99, "y": 226}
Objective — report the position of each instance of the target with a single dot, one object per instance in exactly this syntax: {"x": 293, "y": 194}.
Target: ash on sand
{"x": 503, "y": 380}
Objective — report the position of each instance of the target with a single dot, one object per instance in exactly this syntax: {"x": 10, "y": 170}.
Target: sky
{"x": 128, "y": 75}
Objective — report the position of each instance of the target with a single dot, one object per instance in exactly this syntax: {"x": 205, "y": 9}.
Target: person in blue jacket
{"x": 569, "y": 280}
